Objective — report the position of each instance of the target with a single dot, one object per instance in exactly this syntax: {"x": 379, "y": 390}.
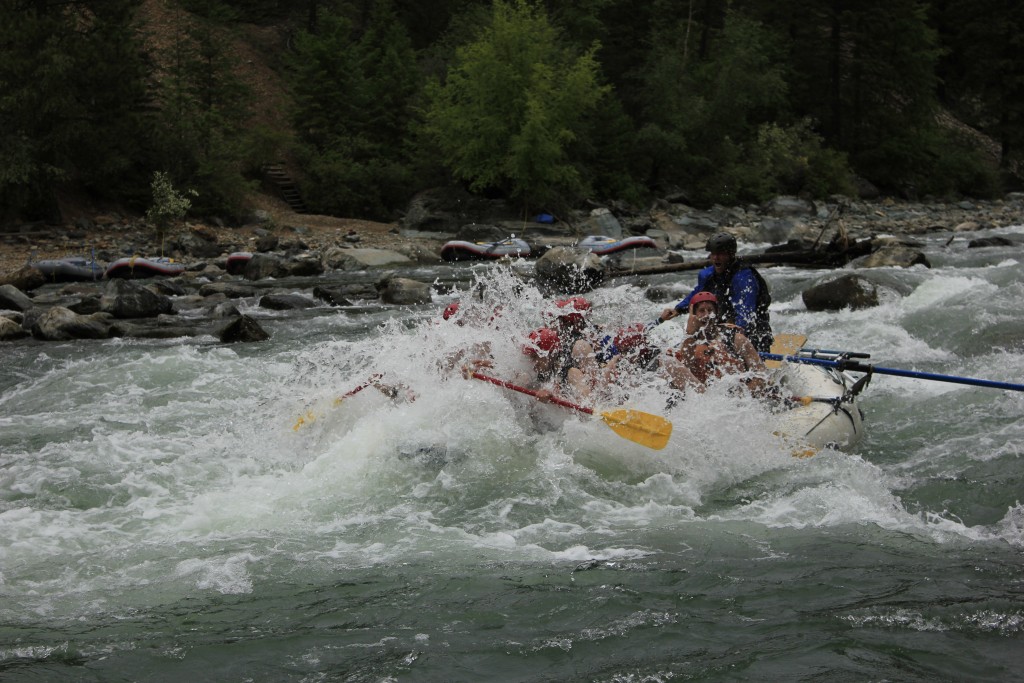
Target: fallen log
{"x": 803, "y": 258}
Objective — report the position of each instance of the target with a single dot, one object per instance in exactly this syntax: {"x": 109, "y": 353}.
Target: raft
{"x": 831, "y": 418}
{"x": 601, "y": 245}
{"x": 134, "y": 267}
{"x": 461, "y": 250}
{"x": 237, "y": 261}
{"x": 70, "y": 269}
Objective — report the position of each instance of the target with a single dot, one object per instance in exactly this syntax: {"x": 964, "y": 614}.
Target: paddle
{"x": 784, "y": 345}
{"x": 652, "y": 431}
{"x": 309, "y": 417}
{"x": 845, "y": 364}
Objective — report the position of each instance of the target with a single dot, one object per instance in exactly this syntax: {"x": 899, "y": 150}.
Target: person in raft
{"x": 713, "y": 350}
{"x": 553, "y": 370}
{"x": 742, "y": 293}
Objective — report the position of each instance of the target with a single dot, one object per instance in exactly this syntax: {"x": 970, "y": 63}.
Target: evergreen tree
{"x": 354, "y": 93}
{"x": 203, "y": 136}
{"x": 514, "y": 104}
{"x": 983, "y": 71}
{"x": 71, "y": 94}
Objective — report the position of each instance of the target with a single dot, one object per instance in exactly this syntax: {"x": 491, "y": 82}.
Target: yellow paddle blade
{"x": 306, "y": 418}
{"x": 645, "y": 429}
{"x": 785, "y": 345}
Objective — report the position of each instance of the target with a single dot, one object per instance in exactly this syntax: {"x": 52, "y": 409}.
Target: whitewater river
{"x": 161, "y": 519}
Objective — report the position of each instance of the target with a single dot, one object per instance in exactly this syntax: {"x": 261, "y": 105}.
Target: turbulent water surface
{"x": 162, "y": 519}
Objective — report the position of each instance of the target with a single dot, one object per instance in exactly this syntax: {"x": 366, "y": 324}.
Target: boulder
{"x": 128, "y": 299}
{"x": 892, "y": 255}
{"x": 360, "y": 259}
{"x": 285, "y": 302}
{"x": 569, "y": 271}
{"x": 13, "y": 299}
{"x": 847, "y": 291}
{"x": 242, "y": 329}
{"x": 403, "y": 291}
{"x": 10, "y": 330}
{"x": 145, "y": 330}
{"x": 331, "y": 295}
{"x": 305, "y": 266}
{"x": 989, "y": 242}
{"x": 62, "y": 324}
{"x": 229, "y": 289}
{"x": 262, "y": 266}
{"x": 25, "y": 278}
{"x": 602, "y": 222}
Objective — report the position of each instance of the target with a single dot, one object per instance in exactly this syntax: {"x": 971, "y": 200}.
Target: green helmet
{"x": 721, "y": 241}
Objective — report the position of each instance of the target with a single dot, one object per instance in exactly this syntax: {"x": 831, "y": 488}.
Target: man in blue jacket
{"x": 741, "y": 291}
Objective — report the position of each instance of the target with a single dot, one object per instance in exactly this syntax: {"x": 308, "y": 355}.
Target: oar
{"x": 645, "y": 429}
{"x": 785, "y": 344}
{"x": 309, "y": 417}
{"x": 853, "y": 365}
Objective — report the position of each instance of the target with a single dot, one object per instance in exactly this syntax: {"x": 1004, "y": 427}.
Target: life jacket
{"x": 759, "y": 332}
{"x": 712, "y": 356}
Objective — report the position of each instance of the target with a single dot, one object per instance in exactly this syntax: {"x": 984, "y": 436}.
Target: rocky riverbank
{"x": 296, "y": 261}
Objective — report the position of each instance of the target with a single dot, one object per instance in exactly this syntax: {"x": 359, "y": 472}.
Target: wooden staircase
{"x": 289, "y": 191}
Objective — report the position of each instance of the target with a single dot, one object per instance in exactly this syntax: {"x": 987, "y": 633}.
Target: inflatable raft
{"x": 829, "y": 415}
{"x": 461, "y": 250}
{"x": 237, "y": 261}
{"x": 133, "y": 267}
{"x": 602, "y": 245}
{"x": 71, "y": 269}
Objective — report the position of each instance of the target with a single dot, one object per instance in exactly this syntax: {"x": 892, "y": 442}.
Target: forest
{"x": 543, "y": 104}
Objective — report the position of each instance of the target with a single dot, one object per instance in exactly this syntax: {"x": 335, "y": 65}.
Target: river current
{"x": 166, "y": 516}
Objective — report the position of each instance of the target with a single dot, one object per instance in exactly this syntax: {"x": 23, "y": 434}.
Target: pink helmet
{"x": 701, "y": 297}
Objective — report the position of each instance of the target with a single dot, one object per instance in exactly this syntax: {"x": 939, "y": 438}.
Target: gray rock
{"x": 332, "y": 296}
{"x": 242, "y": 329}
{"x": 10, "y": 330}
{"x": 360, "y": 259}
{"x": 262, "y": 266}
{"x": 14, "y": 299}
{"x": 128, "y": 299}
{"x": 25, "y": 278}
{"x": 231, "y": 290}
{"x": 569, "y": 271}
{"x": 403, "y": 291}
{"x": 892, "y": 255}
{"x": 62, "y": 324}
{"x": 847, "y": 291}
{"x": 285, "y": 302}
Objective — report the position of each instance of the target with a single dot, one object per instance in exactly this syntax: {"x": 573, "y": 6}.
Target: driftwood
{"x": 830, "y": 257}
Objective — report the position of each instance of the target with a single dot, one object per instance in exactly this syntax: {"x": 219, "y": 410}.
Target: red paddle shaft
{"x": 529, "y": 392}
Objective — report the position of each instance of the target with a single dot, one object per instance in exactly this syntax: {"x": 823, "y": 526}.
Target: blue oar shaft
{"x": 864, "y": 367}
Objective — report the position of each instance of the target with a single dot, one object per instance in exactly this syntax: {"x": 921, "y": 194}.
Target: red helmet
{"x": 450, "y": 310}
{"x": 571, "y": 310}
{"x": 703, "y": 296}
{"x": 631, "y": 338}
{"x": 544, "y": 339}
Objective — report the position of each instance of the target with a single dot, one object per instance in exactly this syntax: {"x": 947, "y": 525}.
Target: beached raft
{"x": 134, "y": 267}
{"x": 70, "y": 269}
{"x": 461, "y": 250}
